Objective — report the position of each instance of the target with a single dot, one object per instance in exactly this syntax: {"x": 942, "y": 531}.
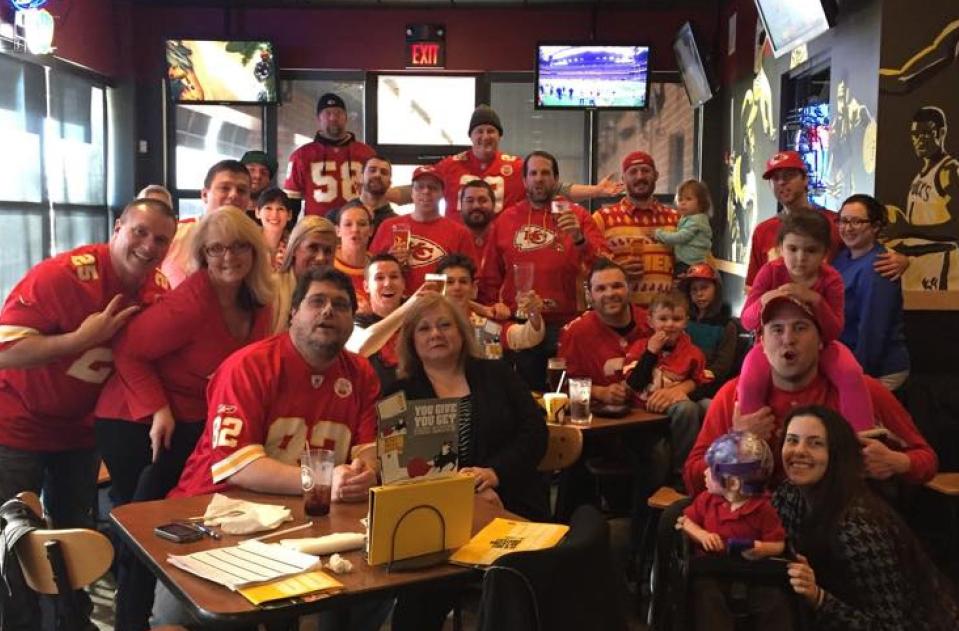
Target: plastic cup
{"x": 555, "y": 367}
{"x": 557, "y": 407}
{"x": 579, "y": 394}
{"x": 316, "y": 479}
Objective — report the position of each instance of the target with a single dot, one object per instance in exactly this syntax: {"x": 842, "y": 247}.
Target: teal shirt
{"x": 692, "y": 239}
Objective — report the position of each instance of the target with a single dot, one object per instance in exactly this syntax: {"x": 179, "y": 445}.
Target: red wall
{"x": 477, "y": 39}
{"x": 94, "y": 34}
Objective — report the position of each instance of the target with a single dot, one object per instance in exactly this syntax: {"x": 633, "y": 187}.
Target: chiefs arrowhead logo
{"x": 424, "y": 252}
{"x": 533, "y": 238}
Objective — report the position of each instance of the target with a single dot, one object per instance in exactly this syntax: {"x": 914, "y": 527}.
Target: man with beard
{"x": 322, "y": 172}
{"x": 374, "y": 182}
{"x": 559, "y": 245}
{"x": 629, "y": 227}
{"x": 594, "y": 344}
{"x": 503, "y": 172}
{"x": 262, "y": 169}
{"x": 430, "y": 235}
{"x": 477, "y": 202}
{"x": 792, "y": 343}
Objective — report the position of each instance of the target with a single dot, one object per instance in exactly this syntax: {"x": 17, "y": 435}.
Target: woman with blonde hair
{"x": 311, "y": 244}
{"x": 502, "y": 435}
{"x": 153, "y": 408}
{"x": 355, "y": 228}
{"x": 501, "y": 432}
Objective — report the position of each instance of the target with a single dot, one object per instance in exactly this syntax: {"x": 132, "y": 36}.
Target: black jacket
{"x": 509, "y": 431}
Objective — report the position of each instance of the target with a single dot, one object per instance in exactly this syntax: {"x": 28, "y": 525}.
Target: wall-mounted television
{"x": 690, "y": 64}
{"x": 591, "y": 76}
{"x": 791, "y": 23}
{"x": 220, "y": 71}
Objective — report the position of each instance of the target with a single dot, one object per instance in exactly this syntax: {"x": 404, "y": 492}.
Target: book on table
{"x": 416, "y": 439}
{"x": 503, "y": 536}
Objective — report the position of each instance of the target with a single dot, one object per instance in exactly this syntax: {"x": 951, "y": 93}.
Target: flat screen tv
{"x": 219, "y": 71}
{"x": 791, "y": 23}
{"x": 591, "y": 76}
{"x": 691, "y": 66}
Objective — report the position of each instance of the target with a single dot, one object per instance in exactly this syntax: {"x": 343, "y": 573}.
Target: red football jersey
{"x": 265, "y": 400}
{"x": 166, "y": 354}
{"x": 356, "y": 275}
{"x": 629, "y": 232}
{"x": 595, "y": 350}
{"x": 429, "y": 242}
{"x": 764, "y": 245}
{"x": 322, "y": 174}
{"x": 525, "y": 233}
{"x": 504, "y": 174}
{"x": 49, "y": 407}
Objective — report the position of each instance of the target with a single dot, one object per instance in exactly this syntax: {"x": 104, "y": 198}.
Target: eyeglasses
{"x": 218, "y": 250}
{"x": 853, "y": 222}
{"x": 339, "y": 305}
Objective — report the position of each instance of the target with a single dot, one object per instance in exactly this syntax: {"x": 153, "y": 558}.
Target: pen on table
{"x": 206, "y": 530}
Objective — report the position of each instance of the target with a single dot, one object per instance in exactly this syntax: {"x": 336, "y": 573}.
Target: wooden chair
{"x": 57, "y": 562}
{"x": 564, "y": 448}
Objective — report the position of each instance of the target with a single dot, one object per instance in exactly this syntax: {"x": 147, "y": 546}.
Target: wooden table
{"x": 637, "y": 417}
{"x": 215, "y": 604}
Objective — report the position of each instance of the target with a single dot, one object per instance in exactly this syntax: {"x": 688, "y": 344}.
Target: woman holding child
{"x": 858, "y": 565}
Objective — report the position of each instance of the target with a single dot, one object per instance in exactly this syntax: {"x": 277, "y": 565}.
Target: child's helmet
{"x": 742, "y": 455}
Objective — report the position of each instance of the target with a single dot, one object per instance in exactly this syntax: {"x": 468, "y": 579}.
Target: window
{"x": 296, "y": 115}
{"x": 206, "y": 134}
{"x": 526, "y": 129}
{"x": 424, "y": 110}
{"x": 53, "y": 193}
{"x": 665, "y": 130}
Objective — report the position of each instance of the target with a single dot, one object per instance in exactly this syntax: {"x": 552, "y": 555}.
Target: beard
{"x": 475, "y": 219}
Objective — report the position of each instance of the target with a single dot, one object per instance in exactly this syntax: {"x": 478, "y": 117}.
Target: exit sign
{"x": 425, "y": 46}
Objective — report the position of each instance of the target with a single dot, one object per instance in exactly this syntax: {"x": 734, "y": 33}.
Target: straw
{"x": 281, "y": 532}
{"x": 562, "y": 378}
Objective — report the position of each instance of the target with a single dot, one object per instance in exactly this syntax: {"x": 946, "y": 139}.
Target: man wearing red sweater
{"x": 559, "y": 245}
{"x": 791, "y": 342}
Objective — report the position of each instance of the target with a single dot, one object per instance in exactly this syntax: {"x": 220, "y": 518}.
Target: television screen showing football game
{"x": 214, "y": 71}
{"x": 588, "y": 76}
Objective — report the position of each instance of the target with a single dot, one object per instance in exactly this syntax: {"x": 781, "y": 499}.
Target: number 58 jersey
{"x": 322, "y": 173}
{"x": 266, "y": 401}
{"x": 50, "y": 407}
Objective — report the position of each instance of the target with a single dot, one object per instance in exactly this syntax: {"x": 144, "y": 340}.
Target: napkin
{"x": 239, "y": 517}
{"x": 328, "y": 544}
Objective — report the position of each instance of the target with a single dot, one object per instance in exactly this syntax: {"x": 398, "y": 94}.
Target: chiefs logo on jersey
{"x": 424, "y": 252}
{"x": 530, "y": 238}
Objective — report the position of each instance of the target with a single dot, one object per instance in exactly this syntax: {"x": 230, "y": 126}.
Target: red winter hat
{"x": 638, "y": 157}
{"x": 784, "y": 160}
{"x": 428, "y": 171}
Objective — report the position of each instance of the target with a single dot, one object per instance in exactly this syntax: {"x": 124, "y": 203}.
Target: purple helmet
{"x": 743, "y": 455}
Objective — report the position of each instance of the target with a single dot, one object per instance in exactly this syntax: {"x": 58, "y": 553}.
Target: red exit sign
{"x": 426, "y": 54}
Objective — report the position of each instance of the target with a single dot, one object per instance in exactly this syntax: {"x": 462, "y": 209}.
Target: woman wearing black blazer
{"x": 505, "y": 435}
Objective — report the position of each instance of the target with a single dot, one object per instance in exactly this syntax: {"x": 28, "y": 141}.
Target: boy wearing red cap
{"x": 629, "y": 228}
{"x": 428, "y": 236}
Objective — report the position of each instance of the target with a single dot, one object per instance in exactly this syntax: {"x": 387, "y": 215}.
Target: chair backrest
{"x": 87, "y": 554}
{"x": 563, "y": 449}
{"x": 570, "y": 586}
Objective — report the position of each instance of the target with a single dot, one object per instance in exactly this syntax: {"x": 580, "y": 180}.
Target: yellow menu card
{"x": 291, "y": 586}
{"x": 502, "y": 536}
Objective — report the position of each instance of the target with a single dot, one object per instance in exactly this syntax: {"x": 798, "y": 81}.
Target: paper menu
{"x": 502, "y": 536}
{"x": 299, "y": 585}
{"x": 248, "y": 563}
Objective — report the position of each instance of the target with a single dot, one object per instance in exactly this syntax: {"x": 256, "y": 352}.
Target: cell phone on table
{"x": 178, "y": 533}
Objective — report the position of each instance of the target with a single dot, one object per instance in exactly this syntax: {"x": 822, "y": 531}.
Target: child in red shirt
{"x": 664, "y": 368}
{"x": 803, "y": 274}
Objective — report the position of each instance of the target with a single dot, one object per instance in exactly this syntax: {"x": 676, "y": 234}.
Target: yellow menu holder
{"x": 419, "y": 522}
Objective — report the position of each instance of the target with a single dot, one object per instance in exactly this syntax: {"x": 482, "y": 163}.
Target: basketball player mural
{"x": 928, "y": 229}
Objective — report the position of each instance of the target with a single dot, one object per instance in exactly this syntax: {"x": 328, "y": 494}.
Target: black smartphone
{"x": 179, "y": 533}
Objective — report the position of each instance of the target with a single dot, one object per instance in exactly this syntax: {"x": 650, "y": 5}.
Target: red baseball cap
{"x": 638, "y": 157}
{"x": 784, "y": 160}
{"x": 768, "y": 309}
{"x": 428, "y": 171}
{"x": 700, "y": 271}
